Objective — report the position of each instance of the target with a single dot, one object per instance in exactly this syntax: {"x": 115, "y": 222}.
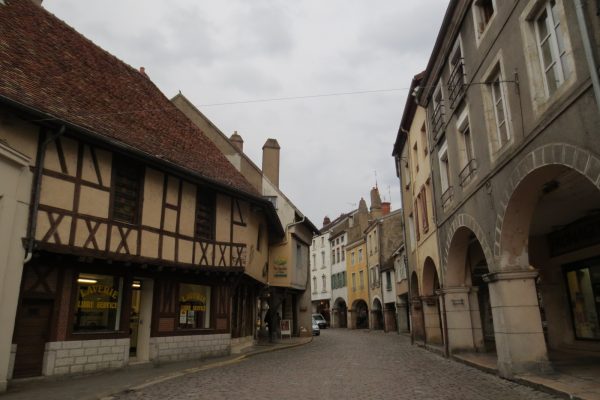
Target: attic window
{"x": 483, "y": 11}
{"x": 126, "y": 191}
{"x": 205, "y": 214}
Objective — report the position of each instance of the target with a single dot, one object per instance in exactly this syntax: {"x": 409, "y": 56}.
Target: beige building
{"x": 512, "y": 98}
{"x": 417, "y": 191}
{"x": 123, "y": 241}
{"x": 287, "y": 272}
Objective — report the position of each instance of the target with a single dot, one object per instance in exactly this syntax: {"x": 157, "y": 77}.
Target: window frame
{"x": 123, "y": 163}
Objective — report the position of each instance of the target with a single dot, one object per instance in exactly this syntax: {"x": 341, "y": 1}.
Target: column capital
{"x": 510, "y": 275}
{"x": 455, "y": 289}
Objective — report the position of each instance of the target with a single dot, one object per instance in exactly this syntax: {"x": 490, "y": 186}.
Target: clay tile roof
{"x": 48, "y": 66}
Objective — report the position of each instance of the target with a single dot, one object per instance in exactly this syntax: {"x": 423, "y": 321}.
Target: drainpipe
{"x": 587, "y": 46}
{"x": 36, "y": 192}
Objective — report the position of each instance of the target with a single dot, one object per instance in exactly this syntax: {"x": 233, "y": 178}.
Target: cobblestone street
{"x": 341, "y": 364}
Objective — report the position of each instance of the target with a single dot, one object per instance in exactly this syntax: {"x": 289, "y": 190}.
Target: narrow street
{"x": 342, "y": 364}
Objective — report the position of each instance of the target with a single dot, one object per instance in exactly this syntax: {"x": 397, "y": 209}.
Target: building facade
{"x": 320, "y": 270}
{"x": 512, "y": 104}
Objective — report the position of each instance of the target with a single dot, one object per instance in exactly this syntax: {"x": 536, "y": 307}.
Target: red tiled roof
{"x": 48, "y": 66}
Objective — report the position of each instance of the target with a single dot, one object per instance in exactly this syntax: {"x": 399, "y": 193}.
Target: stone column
{"x": 431, "y": 317}
{"x": 402, "y": 312}
{"x": 335, "y": 317}
{"x": 520, "y": 343}
{"x": 351, "y": 319}
{"x": 459, "y": 318}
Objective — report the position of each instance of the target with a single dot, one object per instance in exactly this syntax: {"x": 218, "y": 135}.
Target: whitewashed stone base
{"x": 240, "y": 344}
{"x": 11, "y": 360}
{"x": 176, "y": 348}
{"x": 81, "y": 356}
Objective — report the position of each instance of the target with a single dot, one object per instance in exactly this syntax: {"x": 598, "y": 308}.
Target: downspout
{"x": 36, "y": 192}
{"x": 587, "y": 46}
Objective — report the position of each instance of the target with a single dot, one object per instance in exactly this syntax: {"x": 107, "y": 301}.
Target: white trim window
{"x": 444, "y": 167}
{"x": 483, "y": 12}
{"x": 499, "y": 105}
{"x": 550, "y": 39}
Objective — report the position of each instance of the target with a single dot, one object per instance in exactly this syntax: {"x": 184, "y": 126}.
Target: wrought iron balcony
{"x": 456, "y": 82}
{"x": 467, "y": 172}
{"x": 447, "y": 196}
{"x": 437, "y": 119}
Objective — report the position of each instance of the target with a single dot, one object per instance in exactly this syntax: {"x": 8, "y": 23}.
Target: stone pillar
{"x": 459, "y": 318}
{"x": 520, "y": 343}
{"x": 351, "y": 319}
{"x": 417, "y": 319}
{"x": 402, "y": 312}
{"x": 476, "y": 322}
{"x": 431, "y": 317}
{"x": 335, "y": 317}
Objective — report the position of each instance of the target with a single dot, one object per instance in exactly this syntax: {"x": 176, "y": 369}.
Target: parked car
{"x": 316, "y": 331}
{"x": 321, "y": 321}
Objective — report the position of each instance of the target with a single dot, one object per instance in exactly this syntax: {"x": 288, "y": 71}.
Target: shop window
{"x": 194, "y": 306}
{"x": 126, "y": 191}
{"x": 205, "y": 214}
{"x": 98, "y": 305}
{"x": 583, "y": 282}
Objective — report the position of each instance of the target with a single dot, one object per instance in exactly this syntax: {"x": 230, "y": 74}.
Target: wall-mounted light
{"x": 87, "y": 280}
{"x": 136, "y": 284}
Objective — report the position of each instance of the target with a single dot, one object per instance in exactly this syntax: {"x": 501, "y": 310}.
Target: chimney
{"x": 270, "y": 161}
{"x": 237, "y": 141}
{"x": 143, "y": 72}
{"x": 326, "y": 221}
{"x": 386, "y": 207}
{"x": 375, "y": 203}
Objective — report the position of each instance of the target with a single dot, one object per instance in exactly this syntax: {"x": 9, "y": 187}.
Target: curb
{"x": 208, "y": 366}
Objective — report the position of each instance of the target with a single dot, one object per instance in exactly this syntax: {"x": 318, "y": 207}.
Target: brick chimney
{"x": 386, "y": 207}
{"x": 375, "y": 203}
{"x": 237, "y": 141}
{"x": 326, "y": 221}
{"x": 270, "y": 161}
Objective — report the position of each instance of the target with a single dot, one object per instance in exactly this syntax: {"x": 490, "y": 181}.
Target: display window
{"x": 583, "y": 284}
{"x": 98, "y": 304}
{"x": 194, "y": 306}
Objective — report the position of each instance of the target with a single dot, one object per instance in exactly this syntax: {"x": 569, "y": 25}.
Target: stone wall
{"x": 177, "y": 348}
{"x": 11, "y": 362}
{"x": 80, "y": 356}
{"x": 240, "y": 344}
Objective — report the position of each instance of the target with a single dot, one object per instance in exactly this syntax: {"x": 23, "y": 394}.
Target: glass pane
{"x": 560, "y": 39}
{"x": 584, "y": 293}
{"x": 542, "y": 26}
{"x": 551, "y": 79}
{"x": 194, "y": 306}
{"x": 546, "y": 54}
{"x": 98, "y": 305}
{"x": 554, "y": 9}
{"x": 565, "y": 66}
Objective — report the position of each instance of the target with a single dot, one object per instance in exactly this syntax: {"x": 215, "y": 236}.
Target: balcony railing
{"x": 447, "y": 196}
{"x": 467, "y": 172}
{"x": 437, "y": 119}
{"x": 456, "y": 82}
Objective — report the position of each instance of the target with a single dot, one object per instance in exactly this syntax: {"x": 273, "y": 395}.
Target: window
{"x": 466, "y": 155}
{"x": 322, "y": 259}
{"x": 352, "y": 258}
{"x": 360, "y": 255}
{"x": 98, "y": 305}
{"x": 314, "y": 262}
{"x": 583, "y": 282}
{"x": 126, "y": 191}
{"x": 437, "y": 115}
{"x": 314, "y": 284}
{"x": 362, "y": 279}
{"x": 205, "y": 214}
{"x": 422, "y": 198}
{"x": 343, "y": 278}
{"x": 416, "y": 157}
{"x": 322, "y": 242}
{"x": 444, "y": 172}
{"x": 194, "y": 306}
{"x": 411, "y": 227}
{"x": 332, "y": 256}
{"x": 343, "y": 253}
{"x": 551, "y": 47}
{"x": 337, "y": 255}
{"x": 483, "y": 11}
{"x": 324, "y": 284}
{"x": 499, "y": 106}
{"x": 388, "y": 281}
{"x": 354, "y": 281}
{"x": 424, "y": 139}
{"x": 457, "y": 80}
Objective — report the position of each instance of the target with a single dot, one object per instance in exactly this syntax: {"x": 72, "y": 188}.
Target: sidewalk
{"x": 103, "y": 385}
{"x": 572, "y": 378}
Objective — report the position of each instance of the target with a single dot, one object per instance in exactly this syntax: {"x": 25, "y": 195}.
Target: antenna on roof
{"x": 376, "y": 179}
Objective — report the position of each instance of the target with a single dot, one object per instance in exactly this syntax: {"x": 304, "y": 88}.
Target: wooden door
{"x": 31, "y": 334}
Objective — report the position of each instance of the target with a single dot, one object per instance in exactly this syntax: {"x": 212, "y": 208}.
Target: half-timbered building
{"x": 134, "y": 231}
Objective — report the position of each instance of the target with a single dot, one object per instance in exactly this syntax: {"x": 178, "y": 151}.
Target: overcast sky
{"x": 237, "y": 50}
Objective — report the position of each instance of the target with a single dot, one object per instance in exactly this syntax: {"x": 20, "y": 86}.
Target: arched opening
{"x": 416, "y": 309}
{"x": 431, "y": 309}
{"x": 339, "y": 317}
{"x": 377, "y": 315}
{"x": 360, "y": 312}
{"x": 551, "y": 228}
{"x": 468, "y": 304}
